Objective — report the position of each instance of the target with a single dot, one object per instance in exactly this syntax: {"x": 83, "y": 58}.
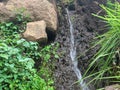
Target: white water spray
{"x": 73, "y": 54}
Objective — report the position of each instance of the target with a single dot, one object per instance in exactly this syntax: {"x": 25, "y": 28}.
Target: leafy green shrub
{"x": 16, "y": 66}
{"x": 16, "y": 69}
{"x": 48, "y": 56}
{"x": 17, "y": 58}
{"x": 49, "y": 52}
{"x": 106, "y": 60}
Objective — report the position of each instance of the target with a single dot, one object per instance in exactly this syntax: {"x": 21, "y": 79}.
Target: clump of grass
{"x": 107, "y": 60}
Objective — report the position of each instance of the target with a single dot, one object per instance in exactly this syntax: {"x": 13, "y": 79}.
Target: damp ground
{"x": 86, "y": 26}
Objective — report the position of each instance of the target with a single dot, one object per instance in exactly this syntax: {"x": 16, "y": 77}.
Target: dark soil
{"x": 86, "y": 27}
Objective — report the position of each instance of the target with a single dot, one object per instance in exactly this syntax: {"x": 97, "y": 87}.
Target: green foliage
{"x": 22, "y": 16}
{"x": 105, "y": 61}
{"x": 17, "y": 69}
{"x": 49, "y": 52}
{"x": 17, "y": 58}
{"x": 8, "y": 29}
{"x": 16, "y": 64}
{"x": 68, "y": 2}
{"x": 48, "y": 55}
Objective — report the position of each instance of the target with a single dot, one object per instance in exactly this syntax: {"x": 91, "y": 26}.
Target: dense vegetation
{"x": 18, "y": 56}
{"x": 107, "y": 60}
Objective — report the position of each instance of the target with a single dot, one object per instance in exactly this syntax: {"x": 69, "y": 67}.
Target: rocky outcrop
{"x": 36, "y": 31}
{"x": 5, "y": 14}
{"x": 54, "y": 3}
{"x": 38, "y": 10}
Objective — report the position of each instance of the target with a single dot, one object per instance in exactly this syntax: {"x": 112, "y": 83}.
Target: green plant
{"x": 16, "y": 69}
{"x": 48, "y": 56}
{"x": 17, "y": 58}
{"x": 106, "y": 60}
{"x": 68, "y": 1}
{"x": 22, "y": 16}
{"x": 49, "y": 52}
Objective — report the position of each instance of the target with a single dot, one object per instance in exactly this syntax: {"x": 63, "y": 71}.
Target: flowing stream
{"x": 73, "y": 54}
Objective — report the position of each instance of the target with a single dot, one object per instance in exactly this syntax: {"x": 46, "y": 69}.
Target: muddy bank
{"x": 86, "y": 26}
{"x": 64, "y": 74}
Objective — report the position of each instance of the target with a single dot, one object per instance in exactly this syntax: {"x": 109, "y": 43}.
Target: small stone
{"x": 36, "y": 31}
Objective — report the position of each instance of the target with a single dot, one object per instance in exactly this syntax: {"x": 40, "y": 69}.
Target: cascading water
{"x": 73, "y": 54}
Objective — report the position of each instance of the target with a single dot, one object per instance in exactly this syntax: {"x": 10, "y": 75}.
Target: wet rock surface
{"x": 86, "y": 26}
{"x": 64, "y": 74}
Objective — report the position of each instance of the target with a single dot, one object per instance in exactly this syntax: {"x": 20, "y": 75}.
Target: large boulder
{"x": 36, "y": 31}
{"x": 5, "y": 14}
{"x": 38, "y": 10}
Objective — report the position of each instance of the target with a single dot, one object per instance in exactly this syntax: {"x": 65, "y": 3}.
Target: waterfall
{"x": 73, "y": 54}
